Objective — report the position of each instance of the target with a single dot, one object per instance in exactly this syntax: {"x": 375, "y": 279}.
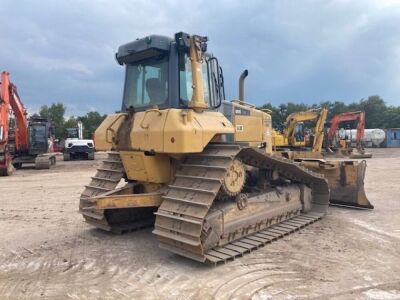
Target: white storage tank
{"x": 372, "y": 137}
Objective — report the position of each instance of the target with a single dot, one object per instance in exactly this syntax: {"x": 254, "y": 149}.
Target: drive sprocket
{"x": 234, "y": 179}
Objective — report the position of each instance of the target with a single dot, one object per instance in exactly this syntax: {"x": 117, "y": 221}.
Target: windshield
{"x": 37, "y": 135}
{"x": 146, "y": 83}
{"x": 185, "y": 81}
{"x": 299, "y": 132}
{"x": 72, "y": 133}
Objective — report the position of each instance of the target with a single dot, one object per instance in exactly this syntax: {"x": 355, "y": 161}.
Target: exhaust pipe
{"x": 241, "y": 84}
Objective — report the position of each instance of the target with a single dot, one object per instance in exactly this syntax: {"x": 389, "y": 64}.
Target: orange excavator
{"x": 29, "y": 140}
{"x": 342, "y": 146}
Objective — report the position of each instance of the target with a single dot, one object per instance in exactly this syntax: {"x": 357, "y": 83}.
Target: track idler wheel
{"x": 241, "y": 201}
{"x": 235, "y": 178}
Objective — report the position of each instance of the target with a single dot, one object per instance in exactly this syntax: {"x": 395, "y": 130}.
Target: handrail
{"x": 109, "y": 128}
{"x": 144, "y": 117}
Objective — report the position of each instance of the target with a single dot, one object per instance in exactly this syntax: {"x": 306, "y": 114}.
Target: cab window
{"x": 146, "y": 83}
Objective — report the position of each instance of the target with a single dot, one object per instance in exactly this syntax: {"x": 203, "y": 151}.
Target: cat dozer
{"x": 200, "y": 169}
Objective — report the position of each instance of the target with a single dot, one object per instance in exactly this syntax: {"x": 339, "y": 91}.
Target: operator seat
{"x": 155, "y": 90}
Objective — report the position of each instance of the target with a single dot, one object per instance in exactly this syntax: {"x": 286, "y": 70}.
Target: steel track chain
{"x": 107, "y": 177}
{"x": 180, "y": 218}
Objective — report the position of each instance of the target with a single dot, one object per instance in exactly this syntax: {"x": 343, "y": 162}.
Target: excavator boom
{"x": 5, "y": 156}
{"x": 21, "y": 134}
{"x": 4, "y": 109}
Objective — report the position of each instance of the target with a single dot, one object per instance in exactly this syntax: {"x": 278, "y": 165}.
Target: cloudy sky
{"x": 299, "y": 51}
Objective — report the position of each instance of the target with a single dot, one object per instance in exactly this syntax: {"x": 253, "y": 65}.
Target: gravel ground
{"x": 48, "y": 252}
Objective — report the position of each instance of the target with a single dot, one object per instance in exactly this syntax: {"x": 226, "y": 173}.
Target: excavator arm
{"x": 4, "y": 109}
{"x": 319, "y": 131}
{"x": 21, "y": 132}
{"x": 310, "y": 115}
{"x": 5, "y": 156}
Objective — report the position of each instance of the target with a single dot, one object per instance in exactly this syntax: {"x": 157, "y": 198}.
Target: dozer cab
{"x": 201, "y": 170}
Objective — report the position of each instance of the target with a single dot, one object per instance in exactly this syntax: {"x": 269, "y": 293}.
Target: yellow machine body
{"x": 280, "y": 140}
{"x": 163, "y": 131}
{"x": 155, "y": 133}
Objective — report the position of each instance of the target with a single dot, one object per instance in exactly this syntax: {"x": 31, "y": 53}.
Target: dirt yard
{"x": 47, "y": 251}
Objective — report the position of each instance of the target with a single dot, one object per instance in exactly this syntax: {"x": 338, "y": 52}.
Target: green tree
{"x": 55, "y": 112}
{"x": 392, "y": 117}
{"x": 294, "y": 107}
{"x": 374, "y": 108}
{"x": 336, "y": 108}
{"x": 90, "y": 122}
{"x": 377, "y": 113}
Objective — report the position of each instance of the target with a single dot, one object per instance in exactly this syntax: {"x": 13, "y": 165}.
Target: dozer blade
{"x": 345, "y": 179}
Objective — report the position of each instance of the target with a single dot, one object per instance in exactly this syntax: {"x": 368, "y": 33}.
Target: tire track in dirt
{"x": 393, "y": 287}
{"x": 243, "y": 281}
{"x": 331, "y": 256}
{"x": 33, "y": 280}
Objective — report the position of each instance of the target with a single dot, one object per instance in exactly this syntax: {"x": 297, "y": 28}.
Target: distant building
{"x": 392, "y": 138}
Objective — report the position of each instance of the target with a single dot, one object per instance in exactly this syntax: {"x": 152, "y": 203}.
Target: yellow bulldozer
{"x": 200, "y": 169}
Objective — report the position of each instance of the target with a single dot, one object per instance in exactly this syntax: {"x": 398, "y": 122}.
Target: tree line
{"x": 377, "y": 113}
{"x": 56, "y": 113}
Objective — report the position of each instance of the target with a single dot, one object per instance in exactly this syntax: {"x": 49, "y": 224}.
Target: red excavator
{"x": 27, "y": 140}
{"x": 342, "y": 146}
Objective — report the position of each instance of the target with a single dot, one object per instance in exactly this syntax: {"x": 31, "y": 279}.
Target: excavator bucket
{"x": 345, "y": 178}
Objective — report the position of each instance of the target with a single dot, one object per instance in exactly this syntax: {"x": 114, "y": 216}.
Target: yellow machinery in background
{"x": 200, "y": 169}
{"x": 293, "y": 135}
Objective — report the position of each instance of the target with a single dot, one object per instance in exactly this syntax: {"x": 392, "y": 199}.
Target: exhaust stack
{"x": 241, "y": 84}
